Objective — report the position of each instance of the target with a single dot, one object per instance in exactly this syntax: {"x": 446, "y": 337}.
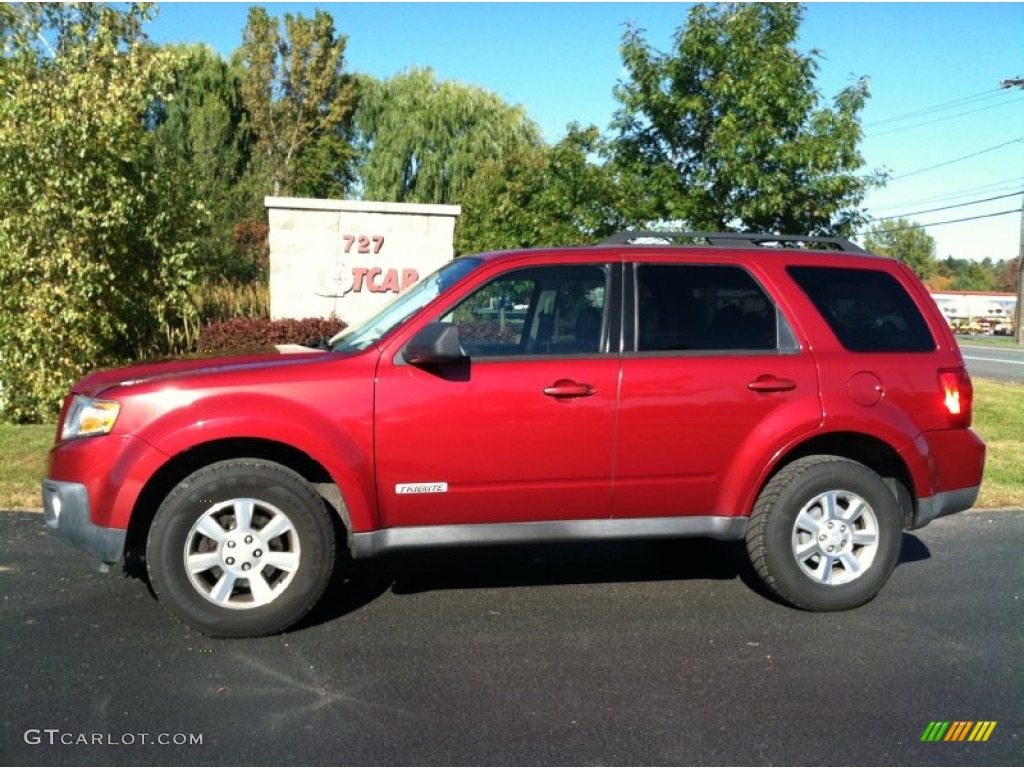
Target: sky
{"x": 938, "y": 121}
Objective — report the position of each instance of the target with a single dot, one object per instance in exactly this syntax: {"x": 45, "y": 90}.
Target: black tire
{"x": 263, "y": 575}
{"x": 825, "y": 534}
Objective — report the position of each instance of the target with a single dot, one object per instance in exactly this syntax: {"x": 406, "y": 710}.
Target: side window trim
{"x": 785, "y": 338}
{"x": 629, "y": 341}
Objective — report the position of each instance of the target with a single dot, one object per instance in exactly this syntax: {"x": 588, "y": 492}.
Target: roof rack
{"x": 725, "y": 239}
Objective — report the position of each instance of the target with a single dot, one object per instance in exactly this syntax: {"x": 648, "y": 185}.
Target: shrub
{"x": 96, "y": 250}
{"x": 248, "y": 332}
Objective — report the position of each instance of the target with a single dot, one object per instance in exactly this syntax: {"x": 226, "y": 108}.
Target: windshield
{"x": 360, "y": 337}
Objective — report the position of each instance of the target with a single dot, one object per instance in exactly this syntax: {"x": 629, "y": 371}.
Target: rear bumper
{"x": 945, "y": 503}
{"x": 66, "y": 510}
{"x": 955, "y": 463}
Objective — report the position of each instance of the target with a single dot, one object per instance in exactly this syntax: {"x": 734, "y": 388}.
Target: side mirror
{"x": 437, "y": 343}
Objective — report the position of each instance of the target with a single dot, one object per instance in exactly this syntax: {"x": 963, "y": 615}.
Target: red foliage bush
{"x": 249, "y": 332}
{"x": 252, "y": 238}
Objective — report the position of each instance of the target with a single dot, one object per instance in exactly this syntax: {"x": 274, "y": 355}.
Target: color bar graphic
{"x": 982, "y": 730}
{"x": 935, "y": 730}
{"x": 958, "y": 730}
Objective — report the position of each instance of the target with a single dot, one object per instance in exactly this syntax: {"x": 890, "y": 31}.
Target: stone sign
{"x": 349, "y": 258}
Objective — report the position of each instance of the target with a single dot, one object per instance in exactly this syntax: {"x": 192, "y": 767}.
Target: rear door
{"x": 523, "y": 430}
{"x": 713, "y": 381}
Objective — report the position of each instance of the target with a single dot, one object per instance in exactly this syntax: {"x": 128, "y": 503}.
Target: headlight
{"x": 88, "y": 416}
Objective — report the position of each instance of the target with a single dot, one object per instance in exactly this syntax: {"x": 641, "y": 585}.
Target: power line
{"x": 958, "y": 159}
{"x": 939, "y": 223}
{"x": 995, "y": 186}
{"x": 952, "y": 104}
{"x": 947, "y": 207}
{"x": 939, "y": 119}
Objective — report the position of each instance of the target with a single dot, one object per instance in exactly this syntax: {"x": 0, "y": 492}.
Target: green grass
{"x": 23, "y": 464}
{"x": 991, "y": 341}
{"x": 998, "y": 418}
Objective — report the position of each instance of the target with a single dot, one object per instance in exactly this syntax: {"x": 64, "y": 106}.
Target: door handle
{"x": 769, "y": 383}
{"x": 569, "y": 388}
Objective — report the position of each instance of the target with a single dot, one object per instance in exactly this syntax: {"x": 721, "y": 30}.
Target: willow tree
{"x": 92, "y": 261}
{"x": 729, "y": 130}
{"x": 421, "y": 141}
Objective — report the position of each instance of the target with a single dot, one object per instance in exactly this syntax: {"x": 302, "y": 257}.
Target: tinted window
{"x": 543, "y": 311}
{"x": 868, "y": 310}
{"x": 693, "y": 307}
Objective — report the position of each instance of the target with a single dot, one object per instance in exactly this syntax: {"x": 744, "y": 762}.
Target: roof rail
{"x": 725, "y": 239}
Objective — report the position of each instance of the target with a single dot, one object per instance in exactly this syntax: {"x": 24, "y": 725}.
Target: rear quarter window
{"x": 868, "y": 310}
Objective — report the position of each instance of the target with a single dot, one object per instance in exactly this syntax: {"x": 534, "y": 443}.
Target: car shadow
{"x": 359, "y": 582}
{"x": 562, "y": 563}
{"x": 912, "y": 550}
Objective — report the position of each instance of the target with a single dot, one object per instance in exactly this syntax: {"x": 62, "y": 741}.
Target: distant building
{"x": 977, "y": 311}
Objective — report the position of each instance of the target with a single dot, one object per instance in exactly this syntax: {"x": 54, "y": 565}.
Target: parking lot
{"x": 647, "y": 653}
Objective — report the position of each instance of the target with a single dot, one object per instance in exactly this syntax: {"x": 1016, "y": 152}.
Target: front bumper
{"x": 66, "y": 509}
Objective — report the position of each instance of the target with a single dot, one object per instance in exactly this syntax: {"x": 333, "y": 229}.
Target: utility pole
{"x": 1018, "y": 320}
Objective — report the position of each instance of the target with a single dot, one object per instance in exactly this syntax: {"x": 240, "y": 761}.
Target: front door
{"x": 522, "y": 430}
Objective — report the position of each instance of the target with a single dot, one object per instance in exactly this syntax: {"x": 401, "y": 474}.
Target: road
{"x": 993, "y": 362}
{"x": 654, "y": 653}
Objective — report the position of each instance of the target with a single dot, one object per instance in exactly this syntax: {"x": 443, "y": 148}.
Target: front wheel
{"x": 825, "y": 534}
{"x": 241, "y": 548}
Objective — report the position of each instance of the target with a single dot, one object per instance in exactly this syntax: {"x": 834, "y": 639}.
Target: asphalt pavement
{"x": 649, "y": 653}
{"x": 992, "y": 361}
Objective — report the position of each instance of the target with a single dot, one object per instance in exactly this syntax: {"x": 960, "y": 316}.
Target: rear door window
{"x": 868, "y": 310}
{"x": 706, "y": 308}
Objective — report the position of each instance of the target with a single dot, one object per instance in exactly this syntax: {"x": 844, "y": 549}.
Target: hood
{"x": 197, "y": 365}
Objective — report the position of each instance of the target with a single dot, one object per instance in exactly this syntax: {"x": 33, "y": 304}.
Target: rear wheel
{"x": 825, "y": 534}
{"x": 241, "y": 548}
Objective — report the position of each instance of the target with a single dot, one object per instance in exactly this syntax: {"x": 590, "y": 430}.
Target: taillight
{"x": 957, "y": 396}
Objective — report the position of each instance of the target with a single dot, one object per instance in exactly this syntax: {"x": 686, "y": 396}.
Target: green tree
{"x": 966, "y": 275}
{"x": 203, "y": 143}
{"x": 728, "y": 131}
{"x": 92, "y": 265}
{"x": 300, "y": 104}
{"x": 541, "y": 196}
{"x": 421, "y": 141}
{"x": 903, "y": 240}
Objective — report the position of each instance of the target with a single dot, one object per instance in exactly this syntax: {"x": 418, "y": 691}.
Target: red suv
{"x": 808, "y": 400}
